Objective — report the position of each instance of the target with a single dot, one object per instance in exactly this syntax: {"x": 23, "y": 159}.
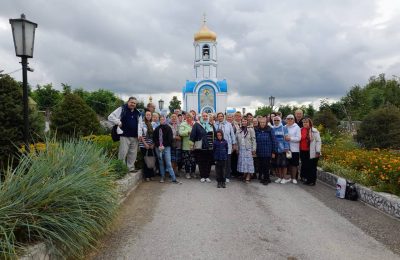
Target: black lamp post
{"x": 243, "y": 111}
{"x": 161, "y": 104}
{"x": 271, "y": 102}
{"x": 24, "y": 38}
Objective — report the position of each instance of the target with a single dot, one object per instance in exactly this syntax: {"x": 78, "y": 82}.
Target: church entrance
{"x": 208, "y": 110}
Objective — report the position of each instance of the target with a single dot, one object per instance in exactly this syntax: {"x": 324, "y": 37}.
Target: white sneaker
{"x": 226, "y": 180}
{"x": 208, "y": 180}
{"x": 278, "y": 180}
{"x": 294, "y": 181}
{"x": 202, "y": 180}
{"x": 162, "y": 180}
{"x": 284, "y": 181}
{"x": 188, "y": 176}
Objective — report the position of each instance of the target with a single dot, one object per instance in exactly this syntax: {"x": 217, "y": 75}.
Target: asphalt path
{"x": 247, "y": 221}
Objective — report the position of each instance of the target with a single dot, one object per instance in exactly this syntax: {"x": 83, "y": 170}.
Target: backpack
{"x": 114, "y": 135}
{"x": 351, "y": 191}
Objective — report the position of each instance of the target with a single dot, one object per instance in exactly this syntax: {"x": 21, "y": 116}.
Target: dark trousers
{"x": 220, "y": 168}
{"x": 264, "y": 165}
{"x": 234, "y": 162}
{"x": 305, "y": 165}
{"x": 147, "y": 173}
{"x": 228, "y": 167}
{"x": 189, "y": 161}
{"x": 204, "y": 158}
{"x": 313, "y": 170}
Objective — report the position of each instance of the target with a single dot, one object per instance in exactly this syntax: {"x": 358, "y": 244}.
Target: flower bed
{"x": 378, "y": 169}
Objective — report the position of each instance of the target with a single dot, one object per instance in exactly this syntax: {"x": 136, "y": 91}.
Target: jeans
{"x": 165, "y": 156}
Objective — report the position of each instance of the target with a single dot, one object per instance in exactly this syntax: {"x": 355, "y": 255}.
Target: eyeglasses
{"x": 277, "y": 120}
{"x": 289, "y": 118}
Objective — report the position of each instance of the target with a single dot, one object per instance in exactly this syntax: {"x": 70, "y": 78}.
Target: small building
{"x": 206, "y": 93}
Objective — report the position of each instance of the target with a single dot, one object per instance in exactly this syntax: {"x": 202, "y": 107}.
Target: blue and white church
{"x": 206, "y": 93}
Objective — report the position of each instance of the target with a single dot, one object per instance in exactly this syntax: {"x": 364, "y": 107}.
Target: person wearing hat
{"x": 293, "y": 137}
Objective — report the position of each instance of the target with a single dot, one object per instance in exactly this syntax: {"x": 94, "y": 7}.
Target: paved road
{"x": 247, "y": 221}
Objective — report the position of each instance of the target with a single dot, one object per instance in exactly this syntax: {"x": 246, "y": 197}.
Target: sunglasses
{"x": 289, "y": 118}
{"x": 277, "y": 120}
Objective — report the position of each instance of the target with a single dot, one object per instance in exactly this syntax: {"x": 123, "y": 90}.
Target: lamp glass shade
{"x": 161, "y": 104}
{"x": 24, "y": 36}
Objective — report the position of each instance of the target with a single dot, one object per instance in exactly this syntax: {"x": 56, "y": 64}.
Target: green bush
{"x": 64, "y": 196}
{"x": 119, "y": 168}
{"x": 11, "y": 118}
{"x": 327, "y": 119}
{"x": 73, "y": 117}
{"x": 381, "y": 128}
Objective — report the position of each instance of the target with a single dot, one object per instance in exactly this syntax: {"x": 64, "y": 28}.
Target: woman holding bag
{"x": 147, "y": 147}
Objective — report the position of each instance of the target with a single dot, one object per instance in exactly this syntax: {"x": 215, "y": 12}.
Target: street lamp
{"x": 271, "y": 102}
{"x": 243, "y": 110}
{"x": 161, "y": 104}
{"x": 24, "y": 37}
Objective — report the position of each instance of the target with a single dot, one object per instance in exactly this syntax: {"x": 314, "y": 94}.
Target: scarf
{"x": 206, "y": 125}
{"x": 243, "y": 130}
{"x": 149, "y": 127}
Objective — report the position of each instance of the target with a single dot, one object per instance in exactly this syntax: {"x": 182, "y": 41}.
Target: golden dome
{"x": 205, "y": 34}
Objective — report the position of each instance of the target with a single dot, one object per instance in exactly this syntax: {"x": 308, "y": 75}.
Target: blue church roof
{"x": 191, "y": 85}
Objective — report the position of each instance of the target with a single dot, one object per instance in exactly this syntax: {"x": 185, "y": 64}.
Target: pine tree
{"x": 73, "y": 117}
{"x": 12, "y": 121}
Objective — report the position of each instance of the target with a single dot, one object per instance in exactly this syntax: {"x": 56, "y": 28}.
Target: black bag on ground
{"x": 351, "y": 191}
{"x": 114, "y": 135}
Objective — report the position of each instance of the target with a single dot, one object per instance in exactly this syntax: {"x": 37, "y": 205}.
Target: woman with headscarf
{"x": 310, "y": 151}
{"x": 280, "y": 162}
{"x": 146, "y": 144}
{"x": 246, "y": 141}
{"x": 203, "y": 135}
{"x": 176, "y": 148}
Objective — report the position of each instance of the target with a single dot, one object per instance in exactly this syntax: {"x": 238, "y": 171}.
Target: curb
{"x": 385, "y": 202}
{"x": 125, "y": 187}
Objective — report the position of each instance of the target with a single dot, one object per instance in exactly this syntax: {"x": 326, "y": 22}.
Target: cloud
{"x": 294, "y": 50}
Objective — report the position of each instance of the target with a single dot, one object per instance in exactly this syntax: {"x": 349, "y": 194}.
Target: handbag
{"x": 198, "y": 144}
{"x": 150, "y": 161}
{"x": 289, "y": 154}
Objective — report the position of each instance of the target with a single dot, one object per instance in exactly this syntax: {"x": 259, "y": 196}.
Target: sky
{"x": 298, "y": 51}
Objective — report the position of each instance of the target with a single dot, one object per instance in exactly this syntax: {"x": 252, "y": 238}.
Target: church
{"x": 205, "y": 93}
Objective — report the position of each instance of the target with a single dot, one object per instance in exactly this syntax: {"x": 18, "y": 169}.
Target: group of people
{"x": 240, "y": 146}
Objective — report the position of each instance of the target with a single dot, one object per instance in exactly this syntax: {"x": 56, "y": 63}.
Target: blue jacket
{"x": 266, "y": 143}
{"x": 280, "y": 133}
{"x": 130, "y": 121}
{"x": 220, "y": 150}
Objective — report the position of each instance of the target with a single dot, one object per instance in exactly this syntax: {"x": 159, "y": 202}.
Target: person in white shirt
{"x": 293, "y": 137}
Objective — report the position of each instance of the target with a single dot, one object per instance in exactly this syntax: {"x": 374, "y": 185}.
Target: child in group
{"x": 220, "y": 148}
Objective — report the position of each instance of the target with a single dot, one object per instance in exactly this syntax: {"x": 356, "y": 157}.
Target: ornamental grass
{"x": 375, "y": 168}
{"x": 64, "y": 196}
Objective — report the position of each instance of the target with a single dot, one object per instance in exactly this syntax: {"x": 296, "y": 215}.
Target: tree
{"x": 263, "y": 111}
{"x": 174, "y": 104}
{"x": 46, "y": 97}
{"x": 378, "y": 130}
{"x": 82, "y": 93}
{"x": 73, "y": 117}
{"x": 11, "y": 118}
{"x": 285, "y": 110}
{"x": 310, "y": 111}
{"x": 102, "y": 101}
{"x": 326, "y": 118}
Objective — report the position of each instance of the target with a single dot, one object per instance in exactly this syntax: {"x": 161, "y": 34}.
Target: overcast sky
{"x": 298, "y": 51}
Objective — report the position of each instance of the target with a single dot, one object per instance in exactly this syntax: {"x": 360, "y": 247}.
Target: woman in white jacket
{"x": 293, "y": 138}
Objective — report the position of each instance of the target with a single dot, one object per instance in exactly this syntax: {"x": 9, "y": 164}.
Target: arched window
{"x": 206, "y": 52}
